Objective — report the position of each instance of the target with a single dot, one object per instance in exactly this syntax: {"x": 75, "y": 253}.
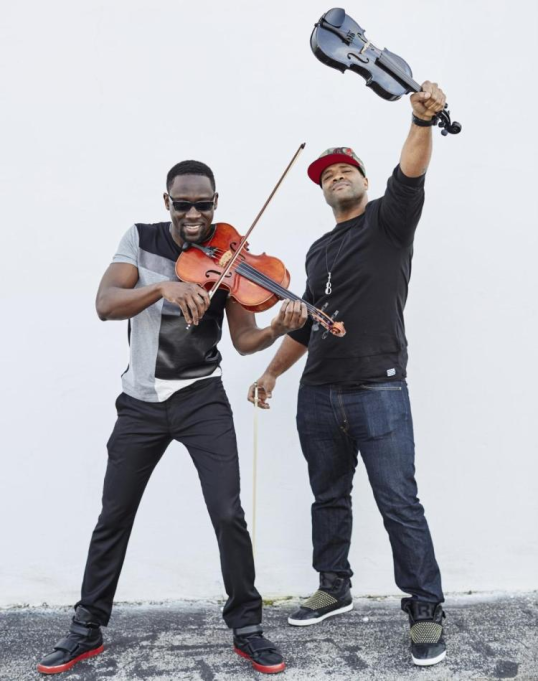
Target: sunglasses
{"x": 185, "y": 206}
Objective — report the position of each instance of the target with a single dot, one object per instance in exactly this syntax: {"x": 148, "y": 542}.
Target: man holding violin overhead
{"x": 353, "y": 395}
{"x": 172, "y": 390}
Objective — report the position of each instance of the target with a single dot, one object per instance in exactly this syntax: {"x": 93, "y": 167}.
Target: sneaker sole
{"x": 428, "y": 663}
{"x": 307, "y": 623}
{"x": 273, "y": 669}
{"x": 64, "y": 667}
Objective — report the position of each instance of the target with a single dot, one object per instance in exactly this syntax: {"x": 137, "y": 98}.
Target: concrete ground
{"x": 488, "y": 637}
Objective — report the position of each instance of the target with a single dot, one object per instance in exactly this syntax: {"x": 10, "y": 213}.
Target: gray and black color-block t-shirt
{"x": 165, "y": 356}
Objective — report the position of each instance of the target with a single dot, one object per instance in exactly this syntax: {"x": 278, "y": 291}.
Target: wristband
{"x": 424, "y": 124}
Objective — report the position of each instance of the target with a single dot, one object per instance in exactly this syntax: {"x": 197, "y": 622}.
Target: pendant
{"x": 328, "y": 286}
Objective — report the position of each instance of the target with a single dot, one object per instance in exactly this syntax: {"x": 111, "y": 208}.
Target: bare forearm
{"x": 417, "y": 151}
{"x": 254, "y": 340}
{"x": 116, "y": 303}
{"x": 248, "y": 338}
{"x": 289, "y": 352}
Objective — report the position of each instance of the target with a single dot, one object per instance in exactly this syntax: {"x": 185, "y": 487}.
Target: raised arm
{"x": 417, "y": 150}
{"x": 401, "y": 206}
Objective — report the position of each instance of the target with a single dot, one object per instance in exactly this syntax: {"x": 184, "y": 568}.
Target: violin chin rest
{"x": 335, "y": 16}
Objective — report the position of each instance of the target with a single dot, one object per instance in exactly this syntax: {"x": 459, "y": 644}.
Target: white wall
{"x": 100, "y": 100}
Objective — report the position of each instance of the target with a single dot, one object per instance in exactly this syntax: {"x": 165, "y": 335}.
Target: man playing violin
{"x": 353, "y": 395}
{"x": 172, "y": 390}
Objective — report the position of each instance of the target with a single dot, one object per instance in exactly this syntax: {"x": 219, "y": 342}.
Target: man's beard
{"x": 345, "y": 203}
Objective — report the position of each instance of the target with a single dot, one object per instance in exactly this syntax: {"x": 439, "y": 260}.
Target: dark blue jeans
{"x": 335, "y": 423}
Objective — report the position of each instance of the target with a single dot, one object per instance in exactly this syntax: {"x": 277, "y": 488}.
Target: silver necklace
{"x": 328, "y": 285}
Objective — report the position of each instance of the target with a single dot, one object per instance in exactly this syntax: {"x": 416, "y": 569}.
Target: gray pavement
{"x": 488, "y": 637}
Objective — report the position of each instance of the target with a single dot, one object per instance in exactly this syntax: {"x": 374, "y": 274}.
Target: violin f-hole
{"x": 359, "y": 57}
{"x": 209, "y": 273}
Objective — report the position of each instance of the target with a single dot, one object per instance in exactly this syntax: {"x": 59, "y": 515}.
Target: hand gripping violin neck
{"x": 339, "y": 42}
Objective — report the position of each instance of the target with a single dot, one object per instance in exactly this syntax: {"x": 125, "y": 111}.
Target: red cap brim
{"x": 316, "y": 169}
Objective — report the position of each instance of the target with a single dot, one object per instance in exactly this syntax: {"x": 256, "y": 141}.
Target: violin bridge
{"x": 225, "y": 259}
{"x": 366, "y": 46}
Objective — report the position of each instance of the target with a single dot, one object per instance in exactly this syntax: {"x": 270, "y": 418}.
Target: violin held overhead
{"x": 256, "y": 282}
{"x": 339, "y": 42}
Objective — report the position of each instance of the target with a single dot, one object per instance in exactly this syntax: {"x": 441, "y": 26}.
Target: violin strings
{"x": 257, "y": 277}
{"x": 251, "y": 273}
{"x": 260, "y": 275}
{"x": 402, "y": 74}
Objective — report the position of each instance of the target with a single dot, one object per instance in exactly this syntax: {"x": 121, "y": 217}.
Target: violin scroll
{"x": 446, "y": 125}
{"x": 320, "y": 317}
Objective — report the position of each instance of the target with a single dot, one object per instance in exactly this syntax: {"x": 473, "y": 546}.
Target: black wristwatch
{"x": 424, "y": 124}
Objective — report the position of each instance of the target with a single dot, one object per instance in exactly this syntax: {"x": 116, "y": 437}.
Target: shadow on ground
{"x": 488, "y": 637}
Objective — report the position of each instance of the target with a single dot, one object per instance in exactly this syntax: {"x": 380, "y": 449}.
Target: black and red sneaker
{"x": 84, "y": 640}
{"x": 250, "y": 643}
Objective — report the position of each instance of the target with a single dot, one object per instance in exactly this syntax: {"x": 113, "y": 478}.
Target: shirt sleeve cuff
{"x": 121, "y": 258}
{"x": 302, "y": 335}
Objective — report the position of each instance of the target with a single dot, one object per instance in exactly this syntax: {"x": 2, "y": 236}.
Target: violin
{"x": 339, "y": 42}
{"x": 256, "y": 282}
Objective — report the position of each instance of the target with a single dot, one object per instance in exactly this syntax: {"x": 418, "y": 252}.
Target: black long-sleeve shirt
{"x": 369, "y": 278}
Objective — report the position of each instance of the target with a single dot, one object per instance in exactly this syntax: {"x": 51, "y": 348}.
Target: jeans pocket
{"x": 385, "y": 406}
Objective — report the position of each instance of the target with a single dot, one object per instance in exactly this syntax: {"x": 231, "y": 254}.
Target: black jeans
{"x": 199, "y": 417}
{"x": 336, "y": 423}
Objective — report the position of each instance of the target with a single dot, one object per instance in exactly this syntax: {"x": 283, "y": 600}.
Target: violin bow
{"x": 255, "y": 467}
{"x": 243, "y": 241}
{"x": 214, "y": 288}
